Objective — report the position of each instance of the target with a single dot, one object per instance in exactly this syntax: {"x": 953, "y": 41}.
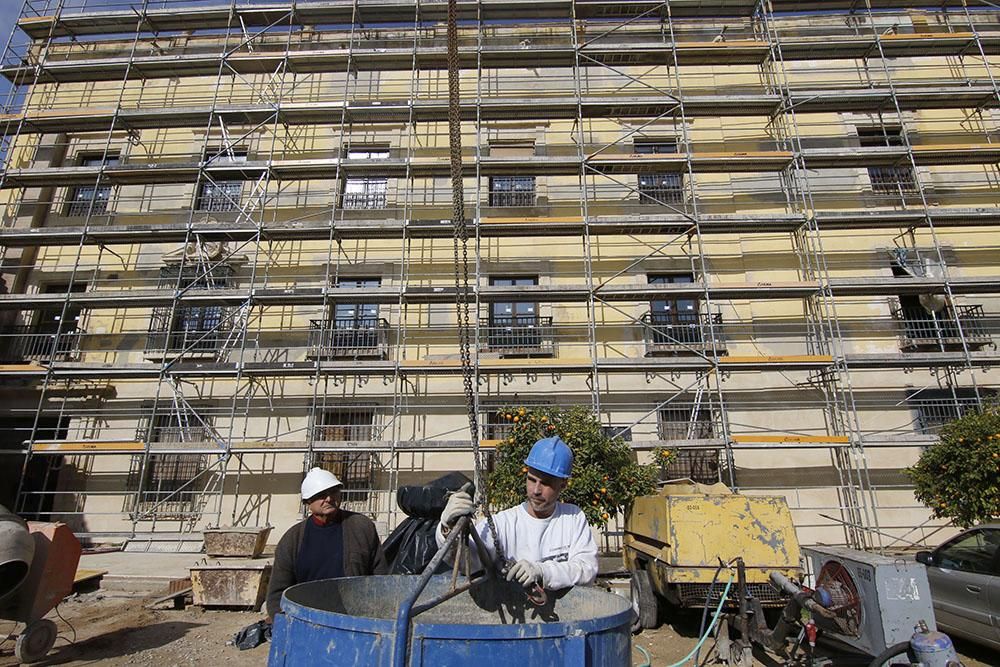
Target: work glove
{"x": 459, "y": 505}
{"x": 525, "y": 573}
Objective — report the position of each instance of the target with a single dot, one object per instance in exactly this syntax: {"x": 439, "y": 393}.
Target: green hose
{"x": 711, "y": 626}
{"x": 645, "y": 653}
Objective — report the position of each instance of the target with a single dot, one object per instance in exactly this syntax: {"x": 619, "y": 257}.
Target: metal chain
{"x": 460, "y": 243}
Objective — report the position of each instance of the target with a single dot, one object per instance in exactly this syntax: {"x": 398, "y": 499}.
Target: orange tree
{"x": 958, "y": 477}
{"x": 606, "y": 477}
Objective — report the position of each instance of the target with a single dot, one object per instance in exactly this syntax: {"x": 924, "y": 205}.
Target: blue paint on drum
{"x": 351, "y": 621}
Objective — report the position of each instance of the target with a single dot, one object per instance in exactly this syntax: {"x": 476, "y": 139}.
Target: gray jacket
{"x": 362, "y": 555}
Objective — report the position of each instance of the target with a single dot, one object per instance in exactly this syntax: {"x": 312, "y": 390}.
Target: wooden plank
{"x": 83, "y": 575}
{"x": 784, "y": 359}
{"x": 88, "y": 446}
{"x": 831, "y": 439}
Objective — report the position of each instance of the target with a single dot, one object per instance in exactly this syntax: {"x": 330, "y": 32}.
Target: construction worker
{"x": 550, "y": 542}
{"x": 331, "y": 542}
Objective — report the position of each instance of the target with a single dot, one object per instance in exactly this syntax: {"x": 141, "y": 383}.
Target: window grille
{"x": 937, "y": 407}
{"x": 365, "y": 192}
{"x": 507, "y": 191}
{"x": 348, "y": 424}
{"x": 91, "y": 199}
{"x": 220, "y": 195}
{"x": 888, "y": 180}
{"x": 660, "y": 188}
{"x": 681, "y": 419}
{"x": 196, "y": 329}
{"x": 172, "y": 485}
{"x": 698, "y": 465}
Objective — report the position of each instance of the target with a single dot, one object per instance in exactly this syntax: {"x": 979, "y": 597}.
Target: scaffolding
{"x": 754, "y": 232}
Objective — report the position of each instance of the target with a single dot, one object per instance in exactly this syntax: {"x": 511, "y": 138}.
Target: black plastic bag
{"x": 252, "y": 636}
{"x": 412, "y": 545}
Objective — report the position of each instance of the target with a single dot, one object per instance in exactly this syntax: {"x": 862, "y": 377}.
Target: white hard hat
{"x": 318, "y": 480}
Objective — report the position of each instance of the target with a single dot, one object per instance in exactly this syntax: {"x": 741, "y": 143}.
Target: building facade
{"x": 761, "y": 234}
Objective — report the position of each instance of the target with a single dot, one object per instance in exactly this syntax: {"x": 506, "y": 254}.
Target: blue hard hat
{"x": 551, "y": 456}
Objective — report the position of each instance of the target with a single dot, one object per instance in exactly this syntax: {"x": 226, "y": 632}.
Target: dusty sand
{"x": 121, "y": 631}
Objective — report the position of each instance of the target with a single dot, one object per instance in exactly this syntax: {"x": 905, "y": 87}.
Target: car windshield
{"x": 973, "y": 552}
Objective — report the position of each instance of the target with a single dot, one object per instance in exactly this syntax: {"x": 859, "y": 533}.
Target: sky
{"x": 9, "y": 9}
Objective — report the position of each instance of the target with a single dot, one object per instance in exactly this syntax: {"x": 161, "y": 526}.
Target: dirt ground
{"x": 121, "y": 631}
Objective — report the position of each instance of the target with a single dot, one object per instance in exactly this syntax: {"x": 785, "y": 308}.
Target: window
{"x": 192, "y": 329}
{"x": 673, "y": 321}
{"x": 91, "y": 199}
{"x": 895, "y": 180}
{"x": 972, "y": 552}
{"x": 353, "y": 330}
{"x": 660, "y": 188}
{"x": 937, "y": 407}
{"x": 354, "y": 469}
{"x": 172, "y": 485}
{"x": 493, "y": 421}
{"x": 365, "y": 192}
{"x": 356, "y": 472}
{"x": 506, "y": 191}
{"x": 684, "y": 419}
{"x": 698, "y": 465}
{"x": 215, "y": 194}
{"x": 347, "y": 424}
{"x": 514, "y": 327}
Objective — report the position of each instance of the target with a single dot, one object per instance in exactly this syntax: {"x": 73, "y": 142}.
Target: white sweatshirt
{"x": 562, "y": 544}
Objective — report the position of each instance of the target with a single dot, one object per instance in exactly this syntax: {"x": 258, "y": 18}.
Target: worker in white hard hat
{"x": 331, "y": 542}
{"x": 550, "y": 542}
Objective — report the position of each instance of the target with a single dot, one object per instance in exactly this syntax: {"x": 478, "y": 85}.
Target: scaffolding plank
{"x": 805, "y": 439}
{"x": 87, "y": 446}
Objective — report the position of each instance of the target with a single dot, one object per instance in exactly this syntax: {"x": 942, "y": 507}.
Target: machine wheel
{"x": 35, "y": 641}
{"x": 644, "y": 601}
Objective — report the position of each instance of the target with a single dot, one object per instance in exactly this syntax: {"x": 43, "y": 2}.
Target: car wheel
{"x": 644, "y": 601}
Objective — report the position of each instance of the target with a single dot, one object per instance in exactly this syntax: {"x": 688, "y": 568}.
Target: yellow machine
{"x": 676, "y": 540}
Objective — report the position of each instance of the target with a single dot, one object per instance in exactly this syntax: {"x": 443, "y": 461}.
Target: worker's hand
{"x": 459, "y": 505}
{"x": 525, "y": 573}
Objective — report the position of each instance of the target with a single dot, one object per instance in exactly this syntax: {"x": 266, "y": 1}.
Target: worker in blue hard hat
{"x": 550, "y": 542}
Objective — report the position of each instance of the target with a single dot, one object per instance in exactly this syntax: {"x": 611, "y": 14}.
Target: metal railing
{"x": 517, "y": 335}
{"x": 349, "y": 337}
{"x": 23, "y": 343}
{"x": 363, "y": 200}
{"x": 197, "y": 342}
{"x": 669, "y": 333}
{"x": 922, "y": 330}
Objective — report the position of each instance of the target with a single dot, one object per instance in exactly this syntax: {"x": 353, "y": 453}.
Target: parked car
{"x": 964, "y": 575}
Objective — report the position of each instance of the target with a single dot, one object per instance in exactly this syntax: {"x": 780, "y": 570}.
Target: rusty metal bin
{"x": 232, "y": 584}
{"x": 236, "y": 541}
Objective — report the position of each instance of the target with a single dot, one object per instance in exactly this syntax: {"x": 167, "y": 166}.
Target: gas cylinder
{"x": 932, "y": 649}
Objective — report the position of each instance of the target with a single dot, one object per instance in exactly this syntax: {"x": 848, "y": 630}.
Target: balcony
{"x": 350, "y": 337}
{"x": 194, "y": 343}
{"x": 517, "y": 336}
{"x": 22, "y": 343}
{"x": 672, "y": 334}
{"x": 924, "y": 331}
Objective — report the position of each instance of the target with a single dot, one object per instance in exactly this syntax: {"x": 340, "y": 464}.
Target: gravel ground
{"x": 121, "y": 631}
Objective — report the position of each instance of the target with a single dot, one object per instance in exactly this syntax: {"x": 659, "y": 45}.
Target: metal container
{"x": 16, "y": 551}
{"x": 352, "y": 621}
{"x": 231, "y": 584}
{"x": 236, "y": 541}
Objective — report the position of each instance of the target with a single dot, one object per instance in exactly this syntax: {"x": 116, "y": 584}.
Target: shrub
{"x": 958, "y": 478}
{"x": 605, "y": 478}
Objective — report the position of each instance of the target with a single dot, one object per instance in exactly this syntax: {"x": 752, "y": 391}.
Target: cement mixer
{"x": 38, "y": 562}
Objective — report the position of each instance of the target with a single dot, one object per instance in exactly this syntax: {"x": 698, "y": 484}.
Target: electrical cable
{"x": 63, "y": 619}
{"x": 708, "y": 601}
{"x": 711, "y": 626}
